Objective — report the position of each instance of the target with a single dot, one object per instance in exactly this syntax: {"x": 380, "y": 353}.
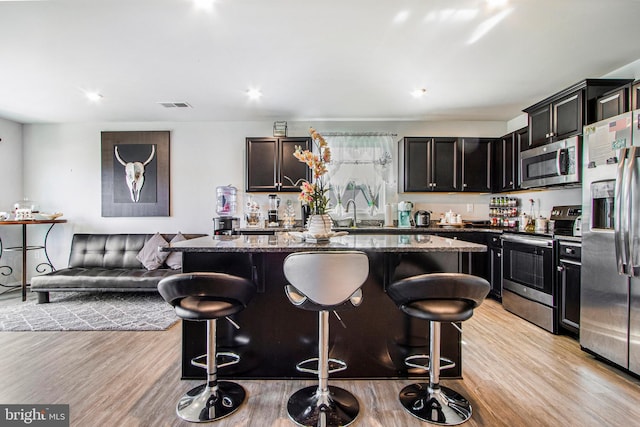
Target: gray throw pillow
{"x": 150, "y": 256}
{"x": 174, "y": 260}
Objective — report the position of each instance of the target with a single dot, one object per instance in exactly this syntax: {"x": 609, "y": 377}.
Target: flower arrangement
{"x": 314, "y": 194}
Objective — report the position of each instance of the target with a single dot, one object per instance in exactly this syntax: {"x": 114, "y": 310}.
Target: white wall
{"x": 10, "y": 163}
{"x": 62, "y": 169}
{"x": 11, "y": 185}
{"x": 629, "y": 71}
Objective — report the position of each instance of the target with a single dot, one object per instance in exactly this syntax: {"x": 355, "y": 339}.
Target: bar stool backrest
{"x": 327, "y": 278}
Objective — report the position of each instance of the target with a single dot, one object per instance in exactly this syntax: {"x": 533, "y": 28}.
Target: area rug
{"x": 83, "y": 311}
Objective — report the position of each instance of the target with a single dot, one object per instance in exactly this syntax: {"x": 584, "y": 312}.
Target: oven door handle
{"x": 567, "y": 261}
{"x": 532, "y": 242}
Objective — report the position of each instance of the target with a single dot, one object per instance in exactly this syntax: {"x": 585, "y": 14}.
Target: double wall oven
{"x": 529, "y": 270}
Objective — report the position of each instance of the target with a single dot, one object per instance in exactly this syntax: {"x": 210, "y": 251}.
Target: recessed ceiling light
{"x": 206, "y": 5}
{"x": 93, "y": 96}
{"x": 254, "y": 93}
{"x": 497, "y": 3}
{"x": 418, "y": 93}
{"x": 401, "y": 16}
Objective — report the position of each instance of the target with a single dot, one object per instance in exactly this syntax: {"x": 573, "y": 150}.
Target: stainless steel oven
{"x": 551, "y": 164}
{"x": 528, "y": 269}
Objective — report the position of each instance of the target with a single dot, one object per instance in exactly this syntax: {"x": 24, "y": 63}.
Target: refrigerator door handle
{"x": 633, "y": 201}
{"x": 618, "y": 220}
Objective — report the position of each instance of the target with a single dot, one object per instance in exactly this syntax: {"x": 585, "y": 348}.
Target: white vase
{"x": 319, "y": 225}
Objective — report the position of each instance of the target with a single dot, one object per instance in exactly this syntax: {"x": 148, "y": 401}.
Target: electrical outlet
{"x": 469, "y": 207}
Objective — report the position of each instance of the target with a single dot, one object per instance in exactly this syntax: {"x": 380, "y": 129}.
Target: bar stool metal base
{"x": 200, "y": 404}
{"x": 438, "y": 405}
{"x": 304, "y": 409}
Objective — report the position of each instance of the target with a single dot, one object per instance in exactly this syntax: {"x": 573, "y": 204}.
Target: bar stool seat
{"x": 437, "y": 297}
{"x": 322, "y": 282}
{"x": 208, "y": 297}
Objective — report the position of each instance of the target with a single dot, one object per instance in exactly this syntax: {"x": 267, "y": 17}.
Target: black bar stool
{"x": 322, "y": 282}
{"x": 437, "y": 297}
{"x": 208, "y": 297}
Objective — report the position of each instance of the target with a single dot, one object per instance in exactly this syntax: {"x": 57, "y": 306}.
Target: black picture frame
{"x": 150, "y": 150}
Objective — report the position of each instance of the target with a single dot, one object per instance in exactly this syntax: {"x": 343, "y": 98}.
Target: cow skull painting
{"x": 134, "y": 173}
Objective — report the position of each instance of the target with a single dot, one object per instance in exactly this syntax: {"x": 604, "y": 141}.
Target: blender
{"x": 272, "y": 213}
{"x": 226, "y": 221}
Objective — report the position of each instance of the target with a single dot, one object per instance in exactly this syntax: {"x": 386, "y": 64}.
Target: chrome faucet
{"x": 354, "y": 211}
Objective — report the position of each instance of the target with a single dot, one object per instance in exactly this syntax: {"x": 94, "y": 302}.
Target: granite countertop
{"x": 286, "y": 242}
{"x": 380, "y": 230}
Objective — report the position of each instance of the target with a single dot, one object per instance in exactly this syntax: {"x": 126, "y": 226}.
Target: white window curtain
{"x": 361, "y": 169}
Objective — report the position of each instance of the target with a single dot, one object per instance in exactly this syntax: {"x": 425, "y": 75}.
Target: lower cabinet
{"x": 568, "y": 281}
{"x": 473, "y": 262}
{"x": 487, "y": 265}
{"x": 494, "y": 258}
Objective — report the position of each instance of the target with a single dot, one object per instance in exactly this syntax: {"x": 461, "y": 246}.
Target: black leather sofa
{"x": 104, "y": 262}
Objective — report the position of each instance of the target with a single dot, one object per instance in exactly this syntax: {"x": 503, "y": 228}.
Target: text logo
{"x": 34, "y": 415}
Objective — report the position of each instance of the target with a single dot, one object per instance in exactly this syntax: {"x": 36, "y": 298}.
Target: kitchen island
{"x": 275, "y": 335}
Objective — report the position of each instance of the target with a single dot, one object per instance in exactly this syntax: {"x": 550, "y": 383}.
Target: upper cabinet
{"x": 445, "y": 164}
{"x": 564, "y": 114}
{"x": 613, "y": 103}
{"x": 271, "y": 165}
{"x": 429, "y": 164}
{"x": 477, "y": 163}
{"x": 507, "y": 160}
{"x": 556, "y": 120}
{"x": 635, "y": 95}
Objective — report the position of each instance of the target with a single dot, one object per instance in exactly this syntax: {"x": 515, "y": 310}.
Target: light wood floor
{"x": 515, "y": 374}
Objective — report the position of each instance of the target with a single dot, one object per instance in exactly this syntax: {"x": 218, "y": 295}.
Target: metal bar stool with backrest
{"x": 322, "y": 282}
{"x": 437, "y": 297}
{"x": 208, "y": 297}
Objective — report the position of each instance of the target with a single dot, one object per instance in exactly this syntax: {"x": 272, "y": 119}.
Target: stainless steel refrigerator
{"x": 610, "y": 293}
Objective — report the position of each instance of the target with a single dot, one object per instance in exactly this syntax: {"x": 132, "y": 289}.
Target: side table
{"x": 6, "y": 270}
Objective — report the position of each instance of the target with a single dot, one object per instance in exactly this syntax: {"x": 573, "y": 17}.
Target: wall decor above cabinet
{"x": 564, "y": 114}
{"x": 271, "y": 166}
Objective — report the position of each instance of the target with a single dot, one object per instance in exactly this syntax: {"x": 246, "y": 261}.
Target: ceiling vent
{"x": 175, "y": 104}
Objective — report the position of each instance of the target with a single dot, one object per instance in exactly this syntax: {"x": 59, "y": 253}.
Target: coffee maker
{"x": 404, "y": 214}
{"x": 226, "y": 222}
{"x": 272, "y": 214}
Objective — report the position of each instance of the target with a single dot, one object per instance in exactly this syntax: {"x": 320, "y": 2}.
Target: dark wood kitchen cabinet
{"x": 430, "y": 164}
{"x": 494, "y": 258}
{"x": 271, "y": 165}
{"x": 556, "y": 120}
{"x": 635, "y": 95}
{"x": 564, "y": 114}
{"x": 472, "y": 263}
{"x": 613, "y": 103}
{"x": 568, "y": 264}
{"x": 477, "y": 163}
{"x": 507, "y": 160}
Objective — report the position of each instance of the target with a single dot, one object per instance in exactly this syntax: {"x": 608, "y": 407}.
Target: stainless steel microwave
{"x": 551, "y": 164}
